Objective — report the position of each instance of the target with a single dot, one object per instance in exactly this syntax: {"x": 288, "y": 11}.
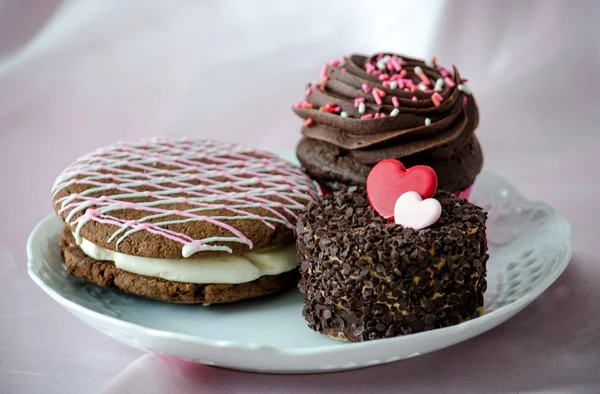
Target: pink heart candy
{"x": 412, "y": 211}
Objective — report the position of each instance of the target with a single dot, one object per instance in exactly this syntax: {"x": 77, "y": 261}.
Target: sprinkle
{"x": 334, "y": 63}
{"x": 414, "y": 98}
{"x": 297, "y": 105}
{"x": 437, "y": 99}
{"x": 450, "y": 82}
{"x": 393, "y": 85}
{"x": 384, "y": 77}
{"x": 307, "y": 92}
{"x": 336, "y": 110}
{"x": 343, "y": 69}
{"x": 365, "y": 88}
{"x": 464, "y": 100}
{"x": 428, "y": 63}
{"x": 412, "y": 89}
{"x": 386, "y": 84}
{"x": 379, "y": 56}
{"x": 358, "y": 100}
{"x": 381, "y": 63}
{"x": 427, "y": 121}
{"x": 419, "y": 72}
{"x": 464, "y": 80}
{"x": 377, "y": 73}
{"x": 324, "y": 74}
{"x": 422, "y": 87}
{"x": 306, "y": 104}
{"x": 367, "y": 116}
{"x": 395, "y": 112}
{"x": 395, "y": 102}
{"x": 361, "y": 108}
{"x": 308, "y": 122}
{"x": 343, "y": 62}
{"x": 444, "y": 72}
{"x": 395, "y": 64}
{"x": 403, "y": 73}
{"x": 344, "y": 114}
{"x": 464, "y": 88}
{"x": 369, "y": 67}
{"x": 439, "y": 85}
{"x": 377, "y": 94}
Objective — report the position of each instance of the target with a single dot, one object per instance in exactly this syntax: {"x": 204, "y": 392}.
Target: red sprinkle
{"x": 386, "y": 84}
{"x": 330, "y": 105}
{"x": 308, "y": 122}
{"x": 367, "y": 116}
{"x": 449, "y": 82}
{"x": 306, "y": 104}
{"x": 403, "y": 73}
{"x": 413, "y": 88}
{"x": 297, "y": 105}
{"x": 424, "y": 78}
{"x": 389, "y": 66}
{"x": 436, "y": 100}
{"x": 365, "y": 88}
{"x": 358, "y": 100}
{"x": 377, "y": 73}
{"x": 464, "y": 80}
{"x": 434, "y": 60}
{"x": 395, "y": 102}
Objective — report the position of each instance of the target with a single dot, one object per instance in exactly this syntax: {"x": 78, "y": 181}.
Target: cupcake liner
{"x": 464, "y": 194}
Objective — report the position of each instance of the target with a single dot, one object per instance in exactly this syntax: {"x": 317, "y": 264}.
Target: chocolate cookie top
{"x": 387, "y": 106}
{"x": 166, "y": 198}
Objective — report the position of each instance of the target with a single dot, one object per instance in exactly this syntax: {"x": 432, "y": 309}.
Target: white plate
{"x": 529, "y": 249}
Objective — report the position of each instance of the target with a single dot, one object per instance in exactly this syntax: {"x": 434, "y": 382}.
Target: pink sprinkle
{"x": 395, "y": 102}
{"x": 389, "y": 66}
{"x": 444, "y": 72}
{"x": 436, "y": 100}
{"x": 365, "y": 88}
{"x": 413, "y": 88}
{"x": 449, "y": 82}
{"x": 406, "y": 90}
{"x": 438, "y": 96}
{"x": 358, "y": 100}
{"x": 384, "y": 77}
{"x": 386, "y": 84}
{"x": 367, "y": 116}
{"x": 336, "y": 110}
{"x": 464, "y": 80}
{"x": 376, "y": 97}
{"x": 403, "y": 73}
{"x": 464, "y": 100}
{"x": 334, "y": 63}
{"x": 343, "y": 69}
{"x": 324, "y": 74}
{"x": 414, "y": 98}
{"x": 308, "y": 122}
{"x": 307, "y": 92}
{"x": 380, "y": 56}
{"x": 424, "y": 78}
{"x": 297, "y": 105}
{"x": 394, "y": 62}
{"x": 369, "y": 67}
{"x": 377, "y": 73}
{"x": 382, "y": 115}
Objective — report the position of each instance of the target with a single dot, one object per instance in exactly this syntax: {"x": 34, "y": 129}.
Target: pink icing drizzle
{"x": 126, "y": 170}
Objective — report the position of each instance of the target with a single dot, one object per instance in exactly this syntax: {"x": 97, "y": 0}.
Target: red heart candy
{"x": 389, "y": 179}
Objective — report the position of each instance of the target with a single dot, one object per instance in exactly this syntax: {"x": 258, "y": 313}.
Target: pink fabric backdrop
{"x": 75, "y": 75}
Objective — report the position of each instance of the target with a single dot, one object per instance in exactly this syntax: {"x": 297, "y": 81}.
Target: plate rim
{"x": 142, "y": 330}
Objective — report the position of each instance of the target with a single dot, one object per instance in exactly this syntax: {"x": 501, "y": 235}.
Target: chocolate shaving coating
{"x": 366, "y": 278}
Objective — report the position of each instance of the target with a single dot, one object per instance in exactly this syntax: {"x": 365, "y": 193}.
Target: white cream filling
{"x": 226, "y": 269}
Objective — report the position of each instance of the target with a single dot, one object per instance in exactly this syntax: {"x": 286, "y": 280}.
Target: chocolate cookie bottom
{"x": 106, "y": 274}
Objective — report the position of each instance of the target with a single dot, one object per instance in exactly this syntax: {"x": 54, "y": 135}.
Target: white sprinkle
{"x": 464, "y": 88}
{"x": 427, "y": 121}
{"x": 344, "y": 114}
{"x": 342, "y": 63}
{"x": 422, "y": 87}
{"x": 381, "y": 64}
{"x": 395, "y": 112}
{"x": 393, "y": 85}
{"x": 361, "y": 108}
{"x": 429, "y": 63}
{"x": 418, "y": 70}
{"x": 439, "y": 84}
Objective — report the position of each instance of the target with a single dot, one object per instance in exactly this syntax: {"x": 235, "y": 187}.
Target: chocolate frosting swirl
{"x": 410, "y": 107}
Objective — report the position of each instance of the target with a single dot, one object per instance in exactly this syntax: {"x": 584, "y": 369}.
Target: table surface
{"x": 95, "y": 75}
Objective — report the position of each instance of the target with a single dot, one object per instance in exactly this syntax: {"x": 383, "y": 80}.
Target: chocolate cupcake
{"x": 366, "y": 277}
{"x": 182, "y": 221}
{"x": 367, "y": 109}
